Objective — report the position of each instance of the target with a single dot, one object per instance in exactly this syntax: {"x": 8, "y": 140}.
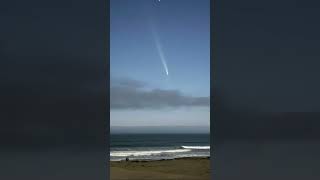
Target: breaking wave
{"x": 195, "y": 147}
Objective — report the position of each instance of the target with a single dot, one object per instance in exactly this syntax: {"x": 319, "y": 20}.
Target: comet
{"x": 160, "y": 51}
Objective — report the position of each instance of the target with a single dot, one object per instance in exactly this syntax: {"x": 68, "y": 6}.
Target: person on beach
{"x": 127, "y": 158}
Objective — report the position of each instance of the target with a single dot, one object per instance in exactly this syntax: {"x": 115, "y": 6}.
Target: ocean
{"x": 158, "y": 146}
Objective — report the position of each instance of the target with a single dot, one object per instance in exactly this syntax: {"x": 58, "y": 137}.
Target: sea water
{"x": 158, "y": 146}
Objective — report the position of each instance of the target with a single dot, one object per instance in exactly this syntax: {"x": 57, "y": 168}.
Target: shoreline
{"x": 151, "y": 160}
{"x": 189, "y": 168}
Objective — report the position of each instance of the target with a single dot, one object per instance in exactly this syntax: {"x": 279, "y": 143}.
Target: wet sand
{"x": 177, "y": 169}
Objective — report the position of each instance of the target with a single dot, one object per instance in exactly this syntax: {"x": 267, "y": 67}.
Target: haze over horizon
{"x": 160, "y": 129}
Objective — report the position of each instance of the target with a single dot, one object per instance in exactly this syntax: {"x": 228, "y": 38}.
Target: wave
{"x": 145, "y": 153}
{"x": 195, "y": 147}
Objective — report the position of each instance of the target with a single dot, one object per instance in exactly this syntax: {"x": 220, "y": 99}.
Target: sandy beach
{"x": 180, "y": 169}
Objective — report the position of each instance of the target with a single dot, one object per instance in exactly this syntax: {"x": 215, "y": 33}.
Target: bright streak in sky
{"x": 160, "y": 51}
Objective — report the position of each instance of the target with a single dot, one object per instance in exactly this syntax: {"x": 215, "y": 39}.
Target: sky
{"x": 54, "y": 76}
{"x": 159, "y": 62}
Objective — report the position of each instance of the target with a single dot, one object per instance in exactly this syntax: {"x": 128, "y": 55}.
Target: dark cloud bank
{"x": 131, "y": 94}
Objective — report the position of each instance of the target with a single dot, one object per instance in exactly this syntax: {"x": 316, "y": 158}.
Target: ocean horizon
{"x": 160, "y": 129}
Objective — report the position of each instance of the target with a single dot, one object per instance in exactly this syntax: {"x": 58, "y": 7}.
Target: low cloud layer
{"x": 130, "y": 94}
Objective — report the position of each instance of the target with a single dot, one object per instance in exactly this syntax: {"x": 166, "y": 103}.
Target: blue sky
{"x": 183, "y": 32}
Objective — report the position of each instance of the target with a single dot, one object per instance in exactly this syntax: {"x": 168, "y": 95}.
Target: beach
{"x": 191, "y": 168}
{"x": 160, "y": 157}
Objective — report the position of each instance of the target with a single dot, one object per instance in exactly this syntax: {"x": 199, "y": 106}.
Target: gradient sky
{"x": 141, "y": 91}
